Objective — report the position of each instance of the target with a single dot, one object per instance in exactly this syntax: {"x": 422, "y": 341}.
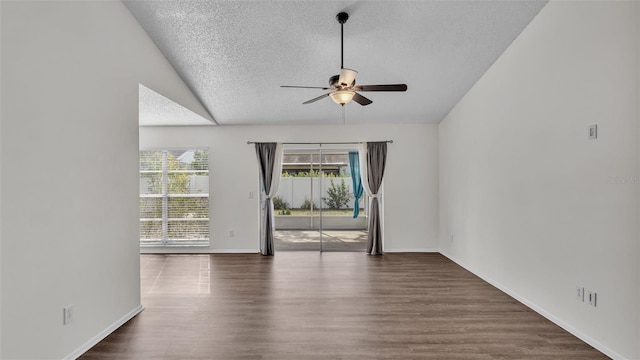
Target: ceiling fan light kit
{"x": 343, "y": 86}
{"x": 342, "y": 97}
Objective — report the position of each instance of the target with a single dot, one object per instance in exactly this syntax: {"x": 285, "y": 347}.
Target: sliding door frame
{"x": 317, "y": 149}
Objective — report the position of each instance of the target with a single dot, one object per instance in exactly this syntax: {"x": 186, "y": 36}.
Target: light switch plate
{"x": 592, "y": 297}
{"x": 67, "y": 314}
{"x": 593, "y": 132}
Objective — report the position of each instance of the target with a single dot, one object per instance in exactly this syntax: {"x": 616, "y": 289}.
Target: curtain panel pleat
{"x": 270, "y": 165}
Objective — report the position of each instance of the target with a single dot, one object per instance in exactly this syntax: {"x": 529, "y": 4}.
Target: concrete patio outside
{"x": 309, "y": 240}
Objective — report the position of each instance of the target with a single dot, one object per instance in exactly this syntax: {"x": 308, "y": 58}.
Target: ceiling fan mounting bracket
{"x": 342, "y": 17}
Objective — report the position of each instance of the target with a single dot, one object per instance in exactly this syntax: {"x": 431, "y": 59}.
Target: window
{"x": 174, "y": 197}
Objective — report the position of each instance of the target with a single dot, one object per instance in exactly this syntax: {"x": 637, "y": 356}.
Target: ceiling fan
{"x": 343, "y": 86}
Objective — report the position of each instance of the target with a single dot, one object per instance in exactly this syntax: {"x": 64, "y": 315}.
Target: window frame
{"x": 165, "y": 196}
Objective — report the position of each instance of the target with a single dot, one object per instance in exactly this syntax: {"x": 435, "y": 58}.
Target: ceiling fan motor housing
{"x": 334, "y": 82}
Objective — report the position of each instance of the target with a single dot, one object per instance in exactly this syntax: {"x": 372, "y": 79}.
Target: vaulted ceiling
{"x": 234, "y": 55}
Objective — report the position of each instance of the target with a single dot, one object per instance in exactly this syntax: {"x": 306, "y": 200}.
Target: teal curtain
{"x": 356, "y": 180}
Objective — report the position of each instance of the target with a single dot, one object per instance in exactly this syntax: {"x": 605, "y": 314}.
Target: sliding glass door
{"x": 297, "y": 212}
{"x": 314, "y": 207}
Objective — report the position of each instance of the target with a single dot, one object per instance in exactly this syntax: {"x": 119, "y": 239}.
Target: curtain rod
{"x": 322, "y": 143}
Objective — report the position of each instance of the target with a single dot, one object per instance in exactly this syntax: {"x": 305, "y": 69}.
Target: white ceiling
{"x": 234, "y": 55}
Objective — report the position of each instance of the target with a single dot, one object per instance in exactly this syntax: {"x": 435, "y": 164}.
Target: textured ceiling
{"x": 234, "y": 55}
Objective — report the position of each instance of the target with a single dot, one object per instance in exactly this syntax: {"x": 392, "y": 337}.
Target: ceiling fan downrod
{"x": 342, "y": 18}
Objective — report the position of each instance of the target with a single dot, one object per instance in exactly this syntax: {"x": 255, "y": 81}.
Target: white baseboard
{"x": 577, "y": 333}
{"x": 176, "y": 250}
{"x": 103, "y": 334}
{"x": 235, "y": 251}
{"x": 416, "y": 250}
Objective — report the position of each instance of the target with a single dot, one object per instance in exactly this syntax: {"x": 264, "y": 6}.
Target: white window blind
{"x": 174, "y": 197}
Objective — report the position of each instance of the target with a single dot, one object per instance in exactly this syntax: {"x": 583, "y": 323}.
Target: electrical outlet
{"x": 580, "y": 293}
{"x": 232, "y": 233}
{"x": 593, "y": 132}
{"x": 67, "y": 314}
{"x": 592, "y": 298}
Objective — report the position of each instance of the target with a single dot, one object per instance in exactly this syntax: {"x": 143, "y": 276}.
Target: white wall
{"x": 536, "y": 208}
{"x": 69, "y": 184}
{"x": 0, "y": 181}
{"x": 410, "y": 185}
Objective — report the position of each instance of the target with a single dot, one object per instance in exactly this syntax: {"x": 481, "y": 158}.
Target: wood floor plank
{"x": 309, "y": 305}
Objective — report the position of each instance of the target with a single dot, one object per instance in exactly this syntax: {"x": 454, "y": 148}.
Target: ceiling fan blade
{"x": 387, "y": 87}
{"x": 347, "y": 77}
{"x": 316, "y": 98}
{"x": 304, "y": 87}
{"x": 361, "y": 99}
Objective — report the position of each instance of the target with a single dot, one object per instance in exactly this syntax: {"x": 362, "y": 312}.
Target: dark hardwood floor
{"x": 309, "y": 305}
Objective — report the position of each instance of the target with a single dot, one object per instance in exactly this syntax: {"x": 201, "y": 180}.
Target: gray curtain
{"x": 376, "y": 160}
{"x": 269, "y": 163}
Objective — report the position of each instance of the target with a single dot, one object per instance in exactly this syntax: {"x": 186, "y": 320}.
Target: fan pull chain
{"x": 344, "y": 122}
